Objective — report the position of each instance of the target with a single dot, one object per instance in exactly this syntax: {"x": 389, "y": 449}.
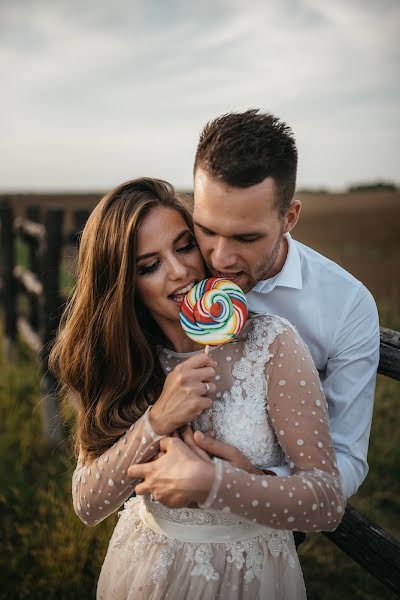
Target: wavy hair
{"x": 105, "y": 351}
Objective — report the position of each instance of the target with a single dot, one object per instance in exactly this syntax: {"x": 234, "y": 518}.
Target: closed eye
{"x": 149, "y": 268}
{"x": 246, "y": 240}
{"x": 242, "y": 238}
{"x": 187, "y": 247}
{"x": 207, "y": 231}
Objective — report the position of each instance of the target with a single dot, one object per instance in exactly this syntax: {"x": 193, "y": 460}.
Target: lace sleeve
{"x": 101, "y": 487}
{"x": 310, "y": 498}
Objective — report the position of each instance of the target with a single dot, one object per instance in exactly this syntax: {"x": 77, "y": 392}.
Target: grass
{"x": 45, "y": 551}
{"x": 330, "y": 574}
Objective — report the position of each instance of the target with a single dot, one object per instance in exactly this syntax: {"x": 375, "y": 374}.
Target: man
{"x": 244, "y": 209}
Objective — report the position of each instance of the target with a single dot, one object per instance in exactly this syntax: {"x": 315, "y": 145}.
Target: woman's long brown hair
{"x": 105, "y": 352}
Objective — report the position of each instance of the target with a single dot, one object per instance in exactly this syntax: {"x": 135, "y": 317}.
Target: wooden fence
{"x": 366, "y": 543}
{"x": 39, "y": 282}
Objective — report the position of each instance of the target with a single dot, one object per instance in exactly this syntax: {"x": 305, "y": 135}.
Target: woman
{"x": 138, "y": 378}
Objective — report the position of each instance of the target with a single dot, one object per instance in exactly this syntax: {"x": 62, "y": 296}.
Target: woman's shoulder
{"x": 270, "y": 320}
{"x": 269, "y": 326}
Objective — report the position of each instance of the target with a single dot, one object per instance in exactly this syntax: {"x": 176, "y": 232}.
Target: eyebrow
{"x": 176, "y": 240}
{"x": 245, "y": 234}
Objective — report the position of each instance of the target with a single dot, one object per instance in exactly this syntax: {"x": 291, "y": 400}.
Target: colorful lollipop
{"x": 214, "y": 311}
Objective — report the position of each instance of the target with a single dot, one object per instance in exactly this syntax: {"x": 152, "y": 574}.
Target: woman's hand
{"x": 188, "y": 391}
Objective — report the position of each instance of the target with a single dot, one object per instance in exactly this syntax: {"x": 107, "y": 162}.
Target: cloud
{"x": 94, "y": 93}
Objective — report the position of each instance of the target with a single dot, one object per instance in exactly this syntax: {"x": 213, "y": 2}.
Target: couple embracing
{"x": 228, "y": 453}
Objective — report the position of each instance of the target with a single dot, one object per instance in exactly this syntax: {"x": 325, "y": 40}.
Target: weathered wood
{"x": 370, "y": 546}
{"x": 51, "y": 273}
{"x": 80, "y": 218}
{"x": 9, "y": 291}
{"x": 33, "y": 214}
{"x": 29, "y": 335}
{"x": 31, "y": 232}
{"x": 28, "y": 281}
{"x": 390, "y": 337}
{"x": 389, "y": 362}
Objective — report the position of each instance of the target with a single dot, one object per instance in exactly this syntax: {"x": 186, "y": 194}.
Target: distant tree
{"x": 307, "y": 190}
{"x": 374, "y": 186}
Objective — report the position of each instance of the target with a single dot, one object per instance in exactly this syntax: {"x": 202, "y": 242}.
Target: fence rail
{"x": 39, "y": 282}
{"x": 366, "y": 543}
{"x": 389, "y": 362}
{"x": 371, "y": 547}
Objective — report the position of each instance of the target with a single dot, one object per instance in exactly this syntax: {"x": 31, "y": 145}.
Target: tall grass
{"x": 45, "y": 551}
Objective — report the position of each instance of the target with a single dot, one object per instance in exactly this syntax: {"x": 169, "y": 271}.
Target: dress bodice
{"x": 238, "y": 415}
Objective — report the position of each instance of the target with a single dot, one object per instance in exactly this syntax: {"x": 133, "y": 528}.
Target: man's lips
{"x": 231, "y": 276}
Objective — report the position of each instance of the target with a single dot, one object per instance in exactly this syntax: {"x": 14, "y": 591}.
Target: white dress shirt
{"x": 337, "y": 318}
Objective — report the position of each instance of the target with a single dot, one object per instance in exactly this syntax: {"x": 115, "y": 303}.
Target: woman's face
{"x": 168, "y": 263}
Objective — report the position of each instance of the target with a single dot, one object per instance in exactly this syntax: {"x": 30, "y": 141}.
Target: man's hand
{"x": 179, "y": 477}
{"x": 229, "y": 453}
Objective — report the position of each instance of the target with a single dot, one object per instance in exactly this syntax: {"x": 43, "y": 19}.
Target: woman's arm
{"x": 310, "y": 499}
{"x": 101, "y": 487}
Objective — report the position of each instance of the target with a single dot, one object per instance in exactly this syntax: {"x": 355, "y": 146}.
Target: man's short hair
{"x": 242, "y": 149}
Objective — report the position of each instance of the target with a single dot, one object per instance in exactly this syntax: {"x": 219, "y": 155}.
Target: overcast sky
{"x": 94, "y": 93}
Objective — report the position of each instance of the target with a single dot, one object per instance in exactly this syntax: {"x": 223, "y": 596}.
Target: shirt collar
{"x": 290, "y": 274}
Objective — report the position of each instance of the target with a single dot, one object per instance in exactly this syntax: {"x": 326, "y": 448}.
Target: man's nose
{"x": 222, "y": 255}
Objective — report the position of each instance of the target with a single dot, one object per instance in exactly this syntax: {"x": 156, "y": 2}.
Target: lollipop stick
{"x": 207, "y": 350}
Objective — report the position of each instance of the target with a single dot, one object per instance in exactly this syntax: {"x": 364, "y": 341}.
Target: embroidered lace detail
{"x": 191, "y": 516}
{"x": 246, "y": 555}
{"x": 240, "y": 417}
{"x": 201, "y": 555}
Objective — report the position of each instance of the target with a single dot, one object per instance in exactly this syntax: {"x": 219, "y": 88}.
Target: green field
{"x": 46, "y": 552}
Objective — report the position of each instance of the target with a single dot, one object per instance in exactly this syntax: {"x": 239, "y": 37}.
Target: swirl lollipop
{"x": 214, "y": 311}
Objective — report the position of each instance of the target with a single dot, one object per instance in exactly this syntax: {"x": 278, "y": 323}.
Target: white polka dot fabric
{"x": 101, "y": 487}
{"x": 311, "y": 498}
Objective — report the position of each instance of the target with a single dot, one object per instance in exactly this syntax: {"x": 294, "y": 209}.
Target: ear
{"x": 292, "y": 216}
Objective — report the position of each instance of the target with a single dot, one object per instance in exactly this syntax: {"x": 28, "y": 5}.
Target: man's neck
{"x": 280, "y": 259}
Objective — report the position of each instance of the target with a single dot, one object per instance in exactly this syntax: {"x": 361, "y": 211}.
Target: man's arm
{"x": 349, "y": 387}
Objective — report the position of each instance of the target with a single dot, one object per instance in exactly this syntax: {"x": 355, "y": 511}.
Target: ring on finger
{"x": 207, "y": 388}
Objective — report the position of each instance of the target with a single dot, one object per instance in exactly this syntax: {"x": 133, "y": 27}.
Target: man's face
{"x": 240, "y": 230}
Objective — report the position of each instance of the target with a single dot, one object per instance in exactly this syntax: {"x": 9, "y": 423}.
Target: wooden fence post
{"x": 33, "y": 214}
{"x": 9, "y": 284}
{"x": 50, "y": 275}
{"x": 80, "y": 218}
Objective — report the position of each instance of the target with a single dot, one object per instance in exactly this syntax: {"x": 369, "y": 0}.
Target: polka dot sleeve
{"x": 310, "y": 498}
{"x": 100, "y": 487}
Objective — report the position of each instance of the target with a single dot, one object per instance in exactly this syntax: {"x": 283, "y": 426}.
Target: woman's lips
{"x": 179, "y": 295}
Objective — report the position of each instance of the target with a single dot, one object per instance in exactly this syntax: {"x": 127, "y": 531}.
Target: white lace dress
{"x": 239, "y": 544}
